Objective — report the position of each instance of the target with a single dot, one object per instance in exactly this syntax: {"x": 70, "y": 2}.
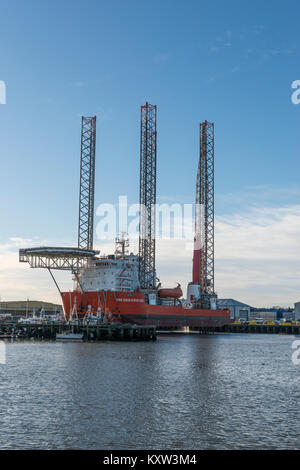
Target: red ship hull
{"x": 131, "y": 307}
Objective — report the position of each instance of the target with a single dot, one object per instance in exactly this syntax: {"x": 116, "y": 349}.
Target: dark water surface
{"x": 181, "y": 392}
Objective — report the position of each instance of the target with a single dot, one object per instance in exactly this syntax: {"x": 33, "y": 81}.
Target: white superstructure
{"x": 111, "y": 273}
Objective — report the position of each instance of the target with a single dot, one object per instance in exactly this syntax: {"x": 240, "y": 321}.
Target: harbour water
{"x": 226, "y": 391}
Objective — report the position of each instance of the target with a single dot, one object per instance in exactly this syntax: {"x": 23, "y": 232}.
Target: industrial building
{"x": 297, "y": 311}
{"x": 267, "y": 314}
{"x": 237, "y": 309}
{"x": 20, "y": 308}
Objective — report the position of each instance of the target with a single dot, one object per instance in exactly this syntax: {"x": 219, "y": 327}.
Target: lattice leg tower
{"x": 203, "y": 265}
{"x": 87, "y": 183}
{"x": 148, "y": 150}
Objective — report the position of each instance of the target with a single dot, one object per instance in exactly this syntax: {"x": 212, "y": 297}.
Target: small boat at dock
{"x": 69, "y": 336}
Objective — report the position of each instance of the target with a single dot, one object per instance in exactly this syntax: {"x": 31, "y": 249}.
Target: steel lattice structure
{"x": 203, "y": 263}
{"x": 87, "y": 183}
{"x": 66, "y": 258}
{"x": 148, "y": 149}
{"x": 61, "y": 258}
{"x": 70, "y": 259}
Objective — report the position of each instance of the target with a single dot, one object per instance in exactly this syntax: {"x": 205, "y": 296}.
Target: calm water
{"x": 182, "y": 392}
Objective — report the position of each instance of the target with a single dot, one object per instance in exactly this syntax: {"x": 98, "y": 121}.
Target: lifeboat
{"x": 174, "y": 293}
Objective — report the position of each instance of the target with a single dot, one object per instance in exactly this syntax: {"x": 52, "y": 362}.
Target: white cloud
{"x": 18, "y": 281}
{"x": 222, "y": 42}
{"x": 257, "y": 255}
{"x": 260, "y": 234}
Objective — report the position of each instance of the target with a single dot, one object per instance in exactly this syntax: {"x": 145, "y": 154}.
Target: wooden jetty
{"x": 291, "y": 329}
{"x": 118, "y": 332}
{"x": 90, "y": 332}
{"x": 246, "y": 328}
{"x": 103, "y": 330}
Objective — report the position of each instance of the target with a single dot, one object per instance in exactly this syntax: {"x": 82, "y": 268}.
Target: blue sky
{"x": 229, "y": 62}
